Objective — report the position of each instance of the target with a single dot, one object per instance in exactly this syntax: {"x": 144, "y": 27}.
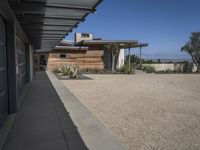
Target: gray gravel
{"x": 146, "y": 111}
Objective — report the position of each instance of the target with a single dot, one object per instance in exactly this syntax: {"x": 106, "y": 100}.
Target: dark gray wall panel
{"x": 3, "y": 74}
{"x": 12, "y": 28}
{"x": 21, "y": 66}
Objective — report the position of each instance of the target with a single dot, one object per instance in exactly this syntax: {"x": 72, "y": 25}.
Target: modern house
{"x": 32, "y": 115}
{"x": 27, "y": 26}
{"x": 87, "y": 52}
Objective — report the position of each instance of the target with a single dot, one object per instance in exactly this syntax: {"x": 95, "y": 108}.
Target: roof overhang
{"x": 47, "y": 22}
{"x": 122, "y": 43}
{"x": 141, "y": 45}
{"x": 84, "y": 48}
{"x": 66, "y": 43}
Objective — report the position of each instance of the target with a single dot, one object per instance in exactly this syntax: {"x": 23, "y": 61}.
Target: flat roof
{"x": 47, "y": 22}
{"x": 108, "y": 42}
{"x": 71, "y": 48}
{"x": 122, "y": 43}
{"x": 141, "y": 45}
{"x": 66, "y": 43}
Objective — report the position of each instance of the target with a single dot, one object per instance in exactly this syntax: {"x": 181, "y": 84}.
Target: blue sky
{"x": 164, "y": 24}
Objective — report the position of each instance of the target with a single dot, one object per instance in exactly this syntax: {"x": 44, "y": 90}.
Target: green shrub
{"x": 148, "y": 68}
{"x": 67, "y": 70}
{"x": 168, "y": 71}
{"x": 126, "y": 70}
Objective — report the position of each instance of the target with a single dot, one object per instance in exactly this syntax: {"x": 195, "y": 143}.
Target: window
{"x": 62, "y": 55}
{"x": 85, "y": 35}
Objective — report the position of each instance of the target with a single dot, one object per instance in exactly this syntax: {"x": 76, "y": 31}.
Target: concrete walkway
{"x": 51, "y": 121}
{"x": 93, "y": 132}
{"x": 43, "y": 122}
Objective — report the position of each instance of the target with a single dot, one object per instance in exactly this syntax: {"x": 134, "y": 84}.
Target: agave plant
{"x": 67, "y": 70}
{"x": 73, "y": 72}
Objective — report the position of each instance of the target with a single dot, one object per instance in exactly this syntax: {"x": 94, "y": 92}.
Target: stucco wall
{"x": 121, "y": 57}
{"x": 174, "y": 66}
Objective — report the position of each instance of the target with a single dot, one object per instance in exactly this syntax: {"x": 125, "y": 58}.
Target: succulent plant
{"x": 67, "y": 70}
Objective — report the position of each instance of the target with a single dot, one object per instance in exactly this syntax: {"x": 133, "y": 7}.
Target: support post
{"x": 129, "y": 57}
{"x": 140, "y": 56}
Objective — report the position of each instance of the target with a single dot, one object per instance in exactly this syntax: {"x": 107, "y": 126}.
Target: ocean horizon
{"x": 169, "y": 59}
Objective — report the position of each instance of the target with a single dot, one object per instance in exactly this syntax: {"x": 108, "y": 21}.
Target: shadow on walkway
{"x": 43, "y": 123}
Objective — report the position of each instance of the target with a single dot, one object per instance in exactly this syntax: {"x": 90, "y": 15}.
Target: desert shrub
{"x": 148, "y": 68}
{"x": 67, "y": 70}
{"x": 168, "y": 71}
{"x": 177, "y": 71}
{"x": 126, "y": 70}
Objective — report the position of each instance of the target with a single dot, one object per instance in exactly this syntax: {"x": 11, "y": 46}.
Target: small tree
{"x": 192, "y": 47}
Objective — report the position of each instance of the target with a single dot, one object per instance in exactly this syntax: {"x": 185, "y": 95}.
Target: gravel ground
{"x": 146, "y": 111}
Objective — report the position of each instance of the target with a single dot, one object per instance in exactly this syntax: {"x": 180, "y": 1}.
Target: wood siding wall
{"x": 90, "y": 59}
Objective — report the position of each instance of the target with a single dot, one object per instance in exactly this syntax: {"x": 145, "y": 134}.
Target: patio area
{"x": 52, "y": 118}
{"x": 146, "y": 111}
{"x": 43, "y": 122}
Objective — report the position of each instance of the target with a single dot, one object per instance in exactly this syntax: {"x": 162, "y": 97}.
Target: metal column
{"x": 140, "y": 56}
{"x": 129, "y": 57}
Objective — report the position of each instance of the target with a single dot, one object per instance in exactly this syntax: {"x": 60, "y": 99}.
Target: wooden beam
{"x": 47, "y": 36}
{"x": 40, "y": 8}
{"x": 49, "y": 19}
{"x": 46, "y": 33}
{"x": 38, "y": 4}
{"x": 45, "y": 27}
{"x": 47, "y": 30}
{"x": 48, "y": 24}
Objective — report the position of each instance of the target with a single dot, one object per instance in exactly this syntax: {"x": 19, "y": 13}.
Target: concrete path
{"x": 43, "y": 122}
{"x": 94, "y": 133}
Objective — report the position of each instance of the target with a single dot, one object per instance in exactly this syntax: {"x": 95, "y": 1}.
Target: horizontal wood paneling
{"x": 91, "y": 59}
